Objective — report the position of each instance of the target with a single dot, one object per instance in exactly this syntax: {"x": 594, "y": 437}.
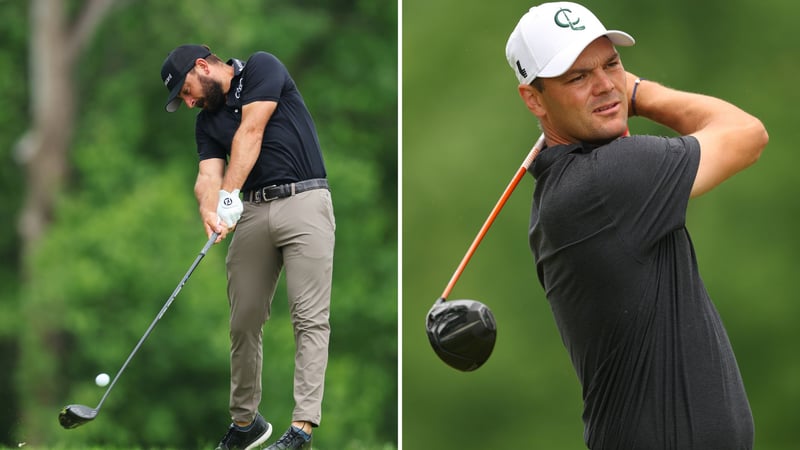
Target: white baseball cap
{"x": 550, "y": 37}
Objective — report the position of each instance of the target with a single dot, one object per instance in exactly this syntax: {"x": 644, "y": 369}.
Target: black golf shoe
{"x": 294, "y": 438}
{"x": 236, "y": 439}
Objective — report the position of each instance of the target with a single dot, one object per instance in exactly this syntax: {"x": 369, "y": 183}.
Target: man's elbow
{"x": 757, "y": 139}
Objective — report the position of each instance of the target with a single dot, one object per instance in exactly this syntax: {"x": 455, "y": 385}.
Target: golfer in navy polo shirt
{"x": 261, "y": 172}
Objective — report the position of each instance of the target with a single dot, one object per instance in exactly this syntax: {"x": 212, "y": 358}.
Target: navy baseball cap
{"x": 173, "y": 72}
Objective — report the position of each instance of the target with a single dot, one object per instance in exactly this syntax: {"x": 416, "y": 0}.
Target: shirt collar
{"x": 238, "y": 66}
{"x": 549, "y": 155}
{"x": 235, "y": 91}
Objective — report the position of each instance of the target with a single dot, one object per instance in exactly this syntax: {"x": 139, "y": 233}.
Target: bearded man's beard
{"x": 214, "y": 98}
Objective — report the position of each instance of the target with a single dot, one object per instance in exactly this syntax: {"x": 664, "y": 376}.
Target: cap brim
{"x": 564, "y": 60}
{"x": 173, "y": 101}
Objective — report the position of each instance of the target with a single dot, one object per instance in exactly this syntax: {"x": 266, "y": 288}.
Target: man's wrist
{"x": 229, "y": 208}
{"x": 636, "y": 84}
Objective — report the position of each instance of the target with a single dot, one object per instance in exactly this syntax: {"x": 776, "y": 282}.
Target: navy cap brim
{"x": 173, "y": 101}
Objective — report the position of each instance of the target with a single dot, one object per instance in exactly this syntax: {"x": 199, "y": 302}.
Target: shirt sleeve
{"x": 649, "y": 182}
{"x": 263, "y": 79}
{"x": 207, "y": 146}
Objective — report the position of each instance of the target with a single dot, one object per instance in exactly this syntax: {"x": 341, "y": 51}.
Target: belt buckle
{"x": 264, "y": 190}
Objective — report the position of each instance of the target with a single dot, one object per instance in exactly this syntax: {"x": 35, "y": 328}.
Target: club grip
{"x": 210, "y": 242}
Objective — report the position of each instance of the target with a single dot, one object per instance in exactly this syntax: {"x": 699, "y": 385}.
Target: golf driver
{"x": 463, "y": 332}
{"x": 73, "y": 416}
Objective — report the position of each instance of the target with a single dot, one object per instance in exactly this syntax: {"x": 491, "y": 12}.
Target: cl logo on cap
{"x": 565, "y": 13}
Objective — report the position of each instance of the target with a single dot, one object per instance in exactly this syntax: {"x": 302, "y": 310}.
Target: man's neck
{"x": 225, "y": 79}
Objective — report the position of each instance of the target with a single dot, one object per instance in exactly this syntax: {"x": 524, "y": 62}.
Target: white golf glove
{"x": 229, "y": 208}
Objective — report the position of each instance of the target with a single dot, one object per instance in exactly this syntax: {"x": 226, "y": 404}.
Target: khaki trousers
{"x": 297, "y": 233}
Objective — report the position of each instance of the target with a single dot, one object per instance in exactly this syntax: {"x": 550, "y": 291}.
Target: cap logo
{"x": 169, "y": 77}
{"x": 522, "y": 71}
{"x": 564, "y": 20}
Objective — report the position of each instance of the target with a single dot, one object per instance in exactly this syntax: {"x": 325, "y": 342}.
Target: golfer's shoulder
{"x": 642, "y": 147}
{"x": 640, "y": 160}
{"x": 263, "y": 60}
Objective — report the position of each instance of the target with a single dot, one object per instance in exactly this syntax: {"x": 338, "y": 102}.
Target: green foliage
{"x": 465, "y": 131}
{"x": 126, "y": 229}
{"x": 13, "y": 122}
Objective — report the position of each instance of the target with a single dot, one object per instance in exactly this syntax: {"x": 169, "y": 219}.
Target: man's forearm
{"x": 206, "y": 191}
{"x": 206, "y": 188}
{"x": 245, "y": 149}
{"x": 684, "y": 112}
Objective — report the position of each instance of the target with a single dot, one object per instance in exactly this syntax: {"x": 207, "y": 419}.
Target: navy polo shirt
{"x": 290, "y": 149}
{"x": 608, "y": 230}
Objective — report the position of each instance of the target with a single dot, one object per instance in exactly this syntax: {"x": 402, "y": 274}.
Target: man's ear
{"x": 533, "y": 99}
{"x": 202, "y": 66}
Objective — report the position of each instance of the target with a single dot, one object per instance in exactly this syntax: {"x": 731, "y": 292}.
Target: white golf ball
{"x": 102, "y": 379}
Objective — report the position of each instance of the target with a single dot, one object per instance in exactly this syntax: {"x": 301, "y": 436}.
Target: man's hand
{"x": 229, "y": 208}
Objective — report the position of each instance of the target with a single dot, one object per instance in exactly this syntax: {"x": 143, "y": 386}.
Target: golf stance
{"x": 255, "y": 135}
{"x": 608, "y": 233}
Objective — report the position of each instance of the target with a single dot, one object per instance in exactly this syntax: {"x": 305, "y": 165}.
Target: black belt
{"x": 269, "y": 193}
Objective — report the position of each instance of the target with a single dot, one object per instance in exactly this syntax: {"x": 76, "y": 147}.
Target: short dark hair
{"x": 538, "y": 84}
{"x": 212, "y": 58}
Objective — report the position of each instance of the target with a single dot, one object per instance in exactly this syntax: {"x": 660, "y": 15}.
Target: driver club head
{"x": 461, "y": 332}
{"x": 73, "y": 416}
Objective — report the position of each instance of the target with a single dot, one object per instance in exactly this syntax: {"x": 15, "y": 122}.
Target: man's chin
{"x": 616, "y": 130}
{"x": 608, "y": 135}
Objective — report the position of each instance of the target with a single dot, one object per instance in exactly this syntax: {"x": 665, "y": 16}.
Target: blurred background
{"x": 465, "y": 133}
{"x": 101, "y": 221}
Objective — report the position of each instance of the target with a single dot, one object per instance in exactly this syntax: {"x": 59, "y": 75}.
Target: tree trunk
{"x": 43, "y": 150}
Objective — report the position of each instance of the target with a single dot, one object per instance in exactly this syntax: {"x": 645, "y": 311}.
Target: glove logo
{"x": 227, "y": 202}
{"x": 567, "y": 22}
